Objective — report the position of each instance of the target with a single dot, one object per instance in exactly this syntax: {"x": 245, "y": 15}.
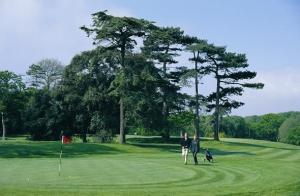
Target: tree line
{"x": 130, "y": 82}
{"x": 282, "y": 127}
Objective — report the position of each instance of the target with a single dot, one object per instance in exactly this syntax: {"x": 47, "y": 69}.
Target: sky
{"x": 268, "y": 32}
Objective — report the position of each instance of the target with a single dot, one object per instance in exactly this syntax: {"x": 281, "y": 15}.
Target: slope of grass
{"x": 147, "y": 166}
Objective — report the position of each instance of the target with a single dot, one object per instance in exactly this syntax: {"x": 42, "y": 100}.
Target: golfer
{"x": 195, "y": 147}
{"x": 185, "y": 145}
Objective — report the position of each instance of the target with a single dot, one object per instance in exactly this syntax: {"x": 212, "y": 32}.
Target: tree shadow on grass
{"x": 158, "y": 140}
{"x": 52, "y": 150}
{"x": 205, "y": 165}
{"x": 172, "y": 145}
{"x": 173, "y": 148}
{"x": 239, "y": 144}
{"x": 219, "y": 152}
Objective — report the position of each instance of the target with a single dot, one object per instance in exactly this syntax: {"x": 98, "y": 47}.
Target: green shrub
{"x": 181, "y": 122}
{"x": 142, "y": 131}
{"x": 266, "y": 127}
{"x": 104, "y": 136}
{"x": 284, "y": 131}
{"x": 222, "y": 135}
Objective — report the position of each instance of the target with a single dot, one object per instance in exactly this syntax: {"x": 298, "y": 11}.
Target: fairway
{"x": 148, "y": 167}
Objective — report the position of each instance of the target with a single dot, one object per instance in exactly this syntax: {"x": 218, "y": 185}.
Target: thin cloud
{"x": 280, "y": 94}
{"x": 33, "y": 29}
{"x": 283, "y": 83}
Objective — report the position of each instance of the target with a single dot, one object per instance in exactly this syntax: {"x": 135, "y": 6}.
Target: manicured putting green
{"x": 119, "y": 170}
{"x": 148, "y": 167}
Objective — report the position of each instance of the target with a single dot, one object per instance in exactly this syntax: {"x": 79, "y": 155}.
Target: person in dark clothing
{"x": 208, "y": 155}
{"x": 185, "y": 145}
{"x": 195, "y": 147}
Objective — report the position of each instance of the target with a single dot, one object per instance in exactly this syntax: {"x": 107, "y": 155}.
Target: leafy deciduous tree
{"x": 46, "y": 73}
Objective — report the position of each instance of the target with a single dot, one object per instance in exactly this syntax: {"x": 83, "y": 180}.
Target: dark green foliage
{"x": 9, "y": 83}
{"x": 182, "y": 122}
{"x": 12, "y": 101}
{"x": 267, "y": 127}
{"x": 139, "y": 82}
{"x": 235, "y": 126}
{"x": 162, "y": 45}
{"x": 118, "y": 34}
{"x": 43, "y": 116}
{"x": 272, "y": 126}
{"x": 84, "y": 93}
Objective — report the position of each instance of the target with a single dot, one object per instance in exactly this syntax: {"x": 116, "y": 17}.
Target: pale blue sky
{"x": 267, "y": 31}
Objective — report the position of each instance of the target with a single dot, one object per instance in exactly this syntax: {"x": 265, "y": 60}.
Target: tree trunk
{"x": 165, "y": 109}
{"x": 217, "y": 111}
{"x": 84, "y": 140}
{"x": 166, "y": 134}
{"x": 3, "y": 127}
{"x": 197, "y": 119}
{"x": 47, "y": 82}
{"x": 122, "y": 134}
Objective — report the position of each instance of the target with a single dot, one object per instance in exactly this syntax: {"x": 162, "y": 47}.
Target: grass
{"x": 147, "y": 166}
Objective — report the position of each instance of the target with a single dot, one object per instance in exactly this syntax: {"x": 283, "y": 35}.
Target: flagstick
{"x": 59, "y": 166}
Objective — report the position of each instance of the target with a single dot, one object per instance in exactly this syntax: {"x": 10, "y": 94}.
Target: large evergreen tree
{"x": 141, "y": 87}
{"x": 119, "y": 34}
{"x": 198, "y": 58}
{"x": 231, "y": 74}
{"x": 162, "y": 45}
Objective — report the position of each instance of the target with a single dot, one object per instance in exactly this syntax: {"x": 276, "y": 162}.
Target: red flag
{"x": 66, "y": 139}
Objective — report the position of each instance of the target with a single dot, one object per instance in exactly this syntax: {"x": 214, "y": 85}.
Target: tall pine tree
{"x": 162, "y": 45}
{"x": 119, "y": 34}
{"x": 231, "y": 74}
{"x": 198, "y": 58}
